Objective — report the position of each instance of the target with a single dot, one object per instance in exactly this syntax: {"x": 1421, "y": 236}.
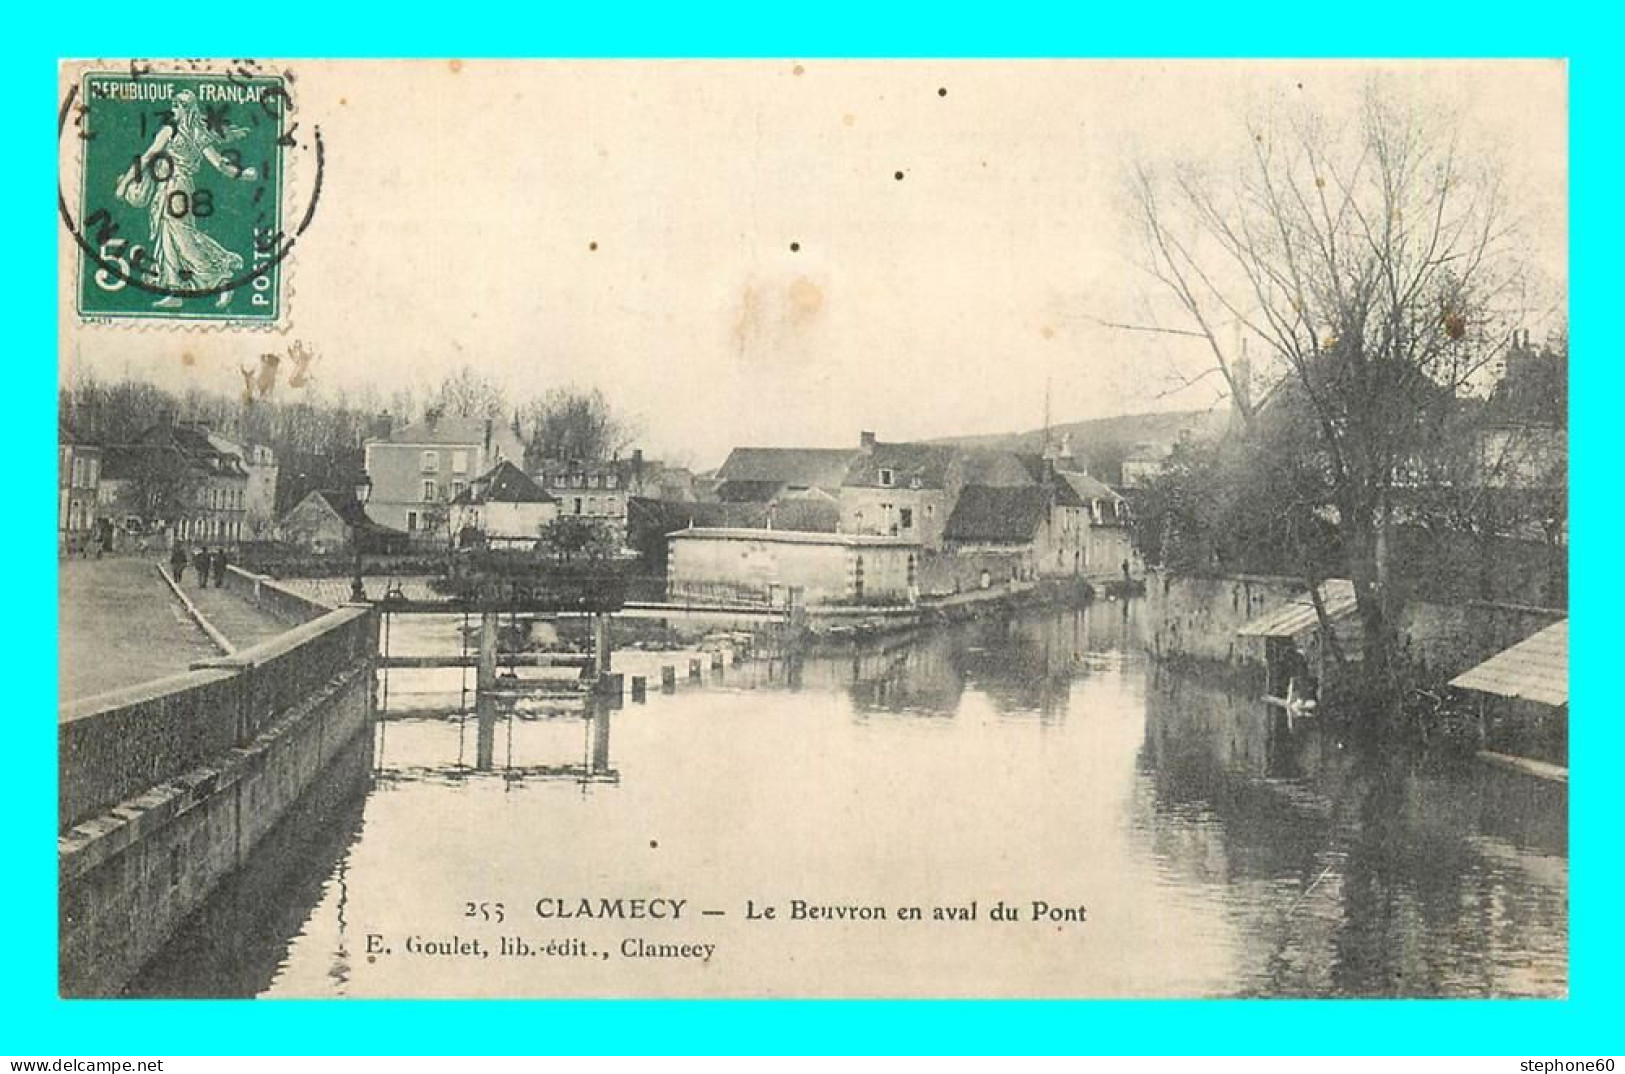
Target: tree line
{"x": 318, "y": 435}
{"x": 1357, "y": 283}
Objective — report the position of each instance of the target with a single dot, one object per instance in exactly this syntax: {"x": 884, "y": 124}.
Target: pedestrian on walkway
{"x": 177, "y": 562}
{"x": 219, "y": 566}
{"x": 200, "y": 560}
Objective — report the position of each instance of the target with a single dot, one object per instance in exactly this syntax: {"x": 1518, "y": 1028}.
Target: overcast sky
{"x": 461, "y": 202}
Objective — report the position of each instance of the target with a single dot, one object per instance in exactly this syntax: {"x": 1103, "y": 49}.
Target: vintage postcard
{"x": 816, "y": 528}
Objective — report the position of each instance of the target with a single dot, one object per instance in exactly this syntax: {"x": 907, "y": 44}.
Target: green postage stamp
{"x": 179, "y": 211}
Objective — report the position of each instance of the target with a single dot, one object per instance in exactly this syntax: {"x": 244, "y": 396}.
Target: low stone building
{"x": 330, "y": 521}
{"x": 779, "y": 566}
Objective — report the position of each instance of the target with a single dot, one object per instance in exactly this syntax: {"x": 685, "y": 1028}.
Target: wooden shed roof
{"x": 1535, "y": 669}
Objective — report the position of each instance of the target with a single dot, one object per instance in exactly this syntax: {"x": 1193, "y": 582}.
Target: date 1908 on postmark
{"x": 181, "y": 183}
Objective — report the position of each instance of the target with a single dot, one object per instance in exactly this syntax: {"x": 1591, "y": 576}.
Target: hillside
{"x": 1101, "y": 443}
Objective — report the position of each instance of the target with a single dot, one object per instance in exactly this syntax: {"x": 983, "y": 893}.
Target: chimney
{"x": 431, "y": 416}
{"x": 1242, "y": 372}
{"x": 866, "y": 441}
{"x": 487, "y": 436}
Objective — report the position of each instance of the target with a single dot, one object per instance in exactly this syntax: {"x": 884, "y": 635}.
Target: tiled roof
{"x": 748, "y": 491}
{"x": 796, "y": 467}
{"x": 504, "y": 483}
{"x": 912, "y": 466}
{"x": 1001, "y": 469}
{"x": 1090, "y": 488}
{"x": 1535, "y": 669}
{"x": 1298, "y": 614}
{"x": 350, "y": 510}
{"x": 802, "y": 515}
{"x": 457, "y": 432}
{"x": 192, "y": 444}
{"x": 1007, "y": 515}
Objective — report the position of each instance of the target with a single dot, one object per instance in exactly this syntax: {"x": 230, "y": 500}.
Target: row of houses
{"x": 883, "y": 520}
{"x": 886, "y": 521}
{"x": 877, "y": 521}
{"x": 177, "y": 476}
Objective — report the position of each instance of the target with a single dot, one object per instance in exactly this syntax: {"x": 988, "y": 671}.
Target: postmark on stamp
{"x": 181, "y": 178}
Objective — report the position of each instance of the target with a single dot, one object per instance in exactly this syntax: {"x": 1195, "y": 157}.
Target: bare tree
{"x": 575, "y": 425}
{"x": 468, "y": 393}
{"x": 1375, "y": 266}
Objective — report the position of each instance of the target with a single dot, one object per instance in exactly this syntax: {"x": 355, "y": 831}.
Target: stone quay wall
{"x": 1192, "y": 617}
{"x": 167, "y": 788}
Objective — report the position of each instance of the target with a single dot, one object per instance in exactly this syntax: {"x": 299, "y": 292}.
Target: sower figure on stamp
{"x": 177, "y": 561}
{"x": 164, "y": 180}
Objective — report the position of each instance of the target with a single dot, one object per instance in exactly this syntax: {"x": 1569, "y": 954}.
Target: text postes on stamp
{"x": 180, "y": 212}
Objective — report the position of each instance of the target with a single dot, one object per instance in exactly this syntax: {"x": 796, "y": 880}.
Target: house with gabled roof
{"x": 901, "y": 489}
{"x": 1109, "y": 541}
{"x": 504, "y": 505}
{"x": 176, "y": 476}
{"x": 329, "y": 521}
{"x": 420, "y": 468}
{"x": 1042, "y": 525}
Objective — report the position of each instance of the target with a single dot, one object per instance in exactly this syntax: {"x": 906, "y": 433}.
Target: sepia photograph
{"x": 818, "y": 528}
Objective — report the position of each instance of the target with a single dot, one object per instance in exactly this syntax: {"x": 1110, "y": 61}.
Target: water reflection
{"x": 1351, "y": 876}
{"x": 1221, "y": 851}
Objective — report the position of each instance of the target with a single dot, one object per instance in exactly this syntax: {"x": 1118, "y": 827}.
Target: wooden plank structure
{"x": 1293, "y": 630}
{"x": 1536, "y": 669}
{"x": 1534, "y": 672}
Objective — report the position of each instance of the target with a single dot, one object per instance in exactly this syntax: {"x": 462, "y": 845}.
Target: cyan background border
{"x": 33, "y": 1021}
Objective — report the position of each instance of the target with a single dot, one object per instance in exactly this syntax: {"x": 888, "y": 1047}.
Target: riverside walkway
{"x": 119, "y": 625}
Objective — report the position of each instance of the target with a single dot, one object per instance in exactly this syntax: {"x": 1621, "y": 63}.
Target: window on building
{"x": 930, "y": 510}
{"x": 887, "y": 478}
{"x": 431, "y": 490}
{"x": 558, "y": 481}
{"x": 906, "y": 517}
{"x": 592, "y": 505}
{"x": 459, "y": 462}
{"x": 577, "y": 505}
{"x": 411, "y": 522}
{"x": 595, "y": 481}
{"x": 611, "y": 481}
{"x": 457, "y": 488}
{"x": 92, "y": 470}
{"x": 431, "y": 462}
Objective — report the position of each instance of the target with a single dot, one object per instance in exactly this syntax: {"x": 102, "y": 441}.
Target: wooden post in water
{"x": 486, "y": 678}
{"x": 600, "y": 643}
{"x": 485, "y": 725}
{"x": 600, "y": 738}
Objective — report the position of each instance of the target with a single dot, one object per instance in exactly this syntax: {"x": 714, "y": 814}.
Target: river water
{"x": 1208, "y": 848}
